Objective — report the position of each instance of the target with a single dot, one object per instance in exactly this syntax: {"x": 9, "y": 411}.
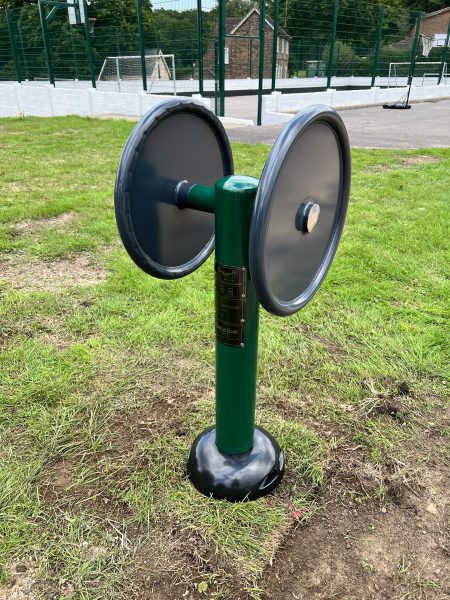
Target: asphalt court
{"x": 425, "y": 125}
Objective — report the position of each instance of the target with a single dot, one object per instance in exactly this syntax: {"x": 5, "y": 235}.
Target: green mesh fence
{"x": 178, "y": 59}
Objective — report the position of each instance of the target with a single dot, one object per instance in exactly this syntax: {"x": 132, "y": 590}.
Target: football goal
{"x": 126, "y": 72}
{"x": 399, "y": 72}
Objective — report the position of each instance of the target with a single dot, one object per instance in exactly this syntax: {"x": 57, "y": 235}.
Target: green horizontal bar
{"x": 245, "y": 37}
{"x": 202, "y": 197}
{"x": 57, "y": 4}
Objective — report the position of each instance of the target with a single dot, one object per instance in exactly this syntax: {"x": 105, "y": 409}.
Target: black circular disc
{"x": 235, "y": 477}
{"x": 300, "y": 210}
{"x": 177, "y": 140}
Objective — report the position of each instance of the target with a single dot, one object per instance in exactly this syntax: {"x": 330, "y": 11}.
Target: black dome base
{"x": 235, "y": 477}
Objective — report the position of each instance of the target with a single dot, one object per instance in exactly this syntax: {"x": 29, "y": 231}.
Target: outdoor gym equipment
{"x": 176, "y": 197}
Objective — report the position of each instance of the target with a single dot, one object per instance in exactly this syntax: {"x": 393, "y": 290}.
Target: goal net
{"x": 124, "y": 73}
{"x": 423, "y": 71}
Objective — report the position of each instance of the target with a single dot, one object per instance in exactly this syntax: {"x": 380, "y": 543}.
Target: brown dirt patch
{"x": 418, "y": 159}
{"x": 31, "y": 225}
{"x": 366, "y": 552}
{"x": 22, "y": 583}
{"x": 382, "y": 530}
{"x": 405, "y": 162}
{"x": 23, "y": 273}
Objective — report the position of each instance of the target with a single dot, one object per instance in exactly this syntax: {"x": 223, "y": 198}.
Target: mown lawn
{"x": 107, "y": 375}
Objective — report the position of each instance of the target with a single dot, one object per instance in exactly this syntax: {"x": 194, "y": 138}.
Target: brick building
{"x": 242, "y": 54}
{"x": 434, "y": 24}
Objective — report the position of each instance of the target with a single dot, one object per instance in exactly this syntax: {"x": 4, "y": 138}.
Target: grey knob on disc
{"x": 176, "y": 141}
{"x": 300, "y": 209}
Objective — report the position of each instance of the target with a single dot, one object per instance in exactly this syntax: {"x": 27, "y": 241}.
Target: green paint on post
{"x": 142, "y": 45}
{"x": 415, "y": 47}
{"x": 262, "y": 28}
{"x": 88, "y": 43}
{"x": 236, "y": 365}
{"x": 221, "y": 48}
{"x": 202, "y": 197}
{"x": 376, "y": 58}
{"x": 276, "y": 24}
{"x": 444, "y": 55}
{"x": 332, "y": 43}
{"x": 9, "y": 22}
{"x": 200, "y": 46}
{"x": 48, "y": 56}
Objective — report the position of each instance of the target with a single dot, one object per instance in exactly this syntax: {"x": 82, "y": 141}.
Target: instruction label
{"x": 230, "y": 304}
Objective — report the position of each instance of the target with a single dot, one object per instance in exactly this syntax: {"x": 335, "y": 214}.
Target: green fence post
{"x": 117, "y": 42}
{"x": 216, "y": 76}
{"x": 22, "y": 48}
{"x": 9, "y": 22}
{"x": 376, "y": 58}
{"x": 142, "y": 45}
{"x": 319, "y": 55}
{"x": 444, "y": 55}
{"x": 88, "y": 43}
{"x": 332, "y": 43}
{"x": 415, "y": 47}
{"x": 222, "y": 58}
{"x": 262, "y": 27}
{"x": 276, "y": 23}
{"x": 74, "y": 52}
{"x": 48, "y": 55}
{"x": 200, "y": 46}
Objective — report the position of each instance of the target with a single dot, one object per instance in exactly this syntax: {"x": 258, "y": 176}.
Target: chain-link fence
{"x": 172, "y": 46}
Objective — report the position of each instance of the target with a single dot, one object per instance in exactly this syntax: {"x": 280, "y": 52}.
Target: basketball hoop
{"x": 427, "y": 44}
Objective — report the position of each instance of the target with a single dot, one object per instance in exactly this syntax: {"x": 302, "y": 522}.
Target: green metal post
{"x": 216, "y": 77}
{"x": 415, "y": 47}
{"x": 48, "y": 56}
{"x": 276, "y": 24}
{"x": 142, "y": 45}
{"x": 88, "y": 43}
{"x": 262, "y": 28}
{"x": 9, "y": 22}
{"x": 117, "y": 41}
{"x": 332, "y": 43}
{"x": 319, "y": 49}
{"x": 200, "y": 45}
{"x": 74, "y": 52}
{"x": 236, "y": 365}
{"x": 444, "y": 55}
{"x": 221, "y": 44}
{"x": 376, "y": 58}
{"x": 22, "y": 47}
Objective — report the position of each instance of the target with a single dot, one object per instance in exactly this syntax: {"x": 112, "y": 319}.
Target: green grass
{"x": 104, "y": 386}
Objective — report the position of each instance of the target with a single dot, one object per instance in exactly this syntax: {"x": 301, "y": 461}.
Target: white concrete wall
{"x": 280, "y": 108}
{"x": 47, "y": 101}
{"x": 191, "y": 85}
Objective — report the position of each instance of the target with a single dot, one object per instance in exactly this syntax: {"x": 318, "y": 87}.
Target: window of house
{"x": 286, "y": 47}
{"x": 227, "y": 56}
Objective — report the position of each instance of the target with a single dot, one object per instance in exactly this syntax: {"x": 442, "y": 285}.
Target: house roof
{"x": 436, "y": 12}
{"x": 241, "y": 21}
